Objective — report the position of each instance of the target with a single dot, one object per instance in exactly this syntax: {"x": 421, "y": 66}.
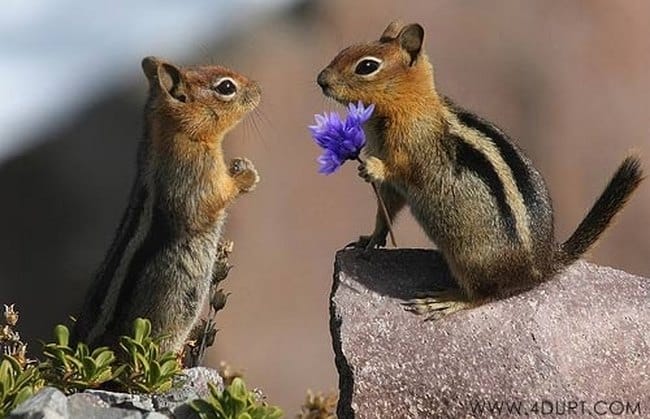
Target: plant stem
{"x": 384, "y": 210}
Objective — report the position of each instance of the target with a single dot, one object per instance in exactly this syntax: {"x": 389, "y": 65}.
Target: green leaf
{"x": 274, "y": 412}
{"x": 170, "y": 367}
{"x": 163, "y": 386}
{"x": 119, "y": 371}
{"x": 237, "y": 390}
{"x": 205, "y": 410}
{"x": 132, "y": 346}
{"x": 143, "y": 362}
{"x": 89, "y": 367}
{"x": 62, "y": 335}
{"x": 154, "y": 372}
{"x": 5, "y": 373}
{"x": 76, "y": 362}
{"x": 141, "y": 329}
{"x": 104, "y": 358}
{"x": 25, "y": 377}
{"x": 82, "y": 350}
{"x": 22, "y": 395}
{"x": 15, "y": 365}
{"x": 97, "y": 351}
{"x": 103, "y": 376}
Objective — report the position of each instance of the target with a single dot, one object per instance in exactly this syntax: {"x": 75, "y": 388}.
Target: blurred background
{"x": 569, "y": 80}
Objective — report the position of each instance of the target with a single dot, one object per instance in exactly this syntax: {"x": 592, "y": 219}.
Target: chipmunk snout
{"x": 323, "y": 79}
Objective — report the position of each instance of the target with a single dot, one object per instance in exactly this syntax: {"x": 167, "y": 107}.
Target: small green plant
{"x": 140, "y": 369}
{"x": 235, "y": 402}
{"x": 146, "y": 370}
{"x": 17, "y": 383}
{"x": 19, "y": 377}
{"x": 76, "y": 369}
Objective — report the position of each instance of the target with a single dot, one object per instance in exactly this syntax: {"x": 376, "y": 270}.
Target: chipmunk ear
{"x": 410, "y": 39}
{"x": 391, "y": 31}
{"x": 164, "y": 76}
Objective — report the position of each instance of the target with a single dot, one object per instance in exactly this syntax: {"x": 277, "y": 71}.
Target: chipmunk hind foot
{"x": 439, "y": 303}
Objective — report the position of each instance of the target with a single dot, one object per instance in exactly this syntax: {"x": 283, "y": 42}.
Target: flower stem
{"x": 384, "y": 210}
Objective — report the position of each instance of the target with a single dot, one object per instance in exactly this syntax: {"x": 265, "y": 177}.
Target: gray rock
{"x": 123, "y": 400}
{"x": 198, "y": 378}
{"x": 195, "y": 386}
{"x": 48, "y": 403}
{"x": 85, "y": 405}
{"x": 579, "y": 343}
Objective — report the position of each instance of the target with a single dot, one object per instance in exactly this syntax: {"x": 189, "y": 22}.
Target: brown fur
{"x": 163, "y": 273}
{"x": 458, "y": 180}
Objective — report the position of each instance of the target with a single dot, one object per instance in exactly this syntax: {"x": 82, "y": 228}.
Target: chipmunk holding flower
{"x": 165, "y": 250}
{"x": 470, "y": 187}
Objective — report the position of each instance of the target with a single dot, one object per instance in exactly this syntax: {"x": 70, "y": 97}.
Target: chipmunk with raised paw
{"x": 161, "y": 261}
{"x": 471, "y": 188}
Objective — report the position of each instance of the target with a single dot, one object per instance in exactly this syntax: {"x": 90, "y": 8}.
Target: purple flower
{"x": 340, "y": 140}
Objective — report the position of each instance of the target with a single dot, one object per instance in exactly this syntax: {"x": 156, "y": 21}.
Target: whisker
{"x": 262, "y": 116}
{"x": 206, "y": 53}
{"x": 256, "y": 120}
{"x": 252, "y": 129}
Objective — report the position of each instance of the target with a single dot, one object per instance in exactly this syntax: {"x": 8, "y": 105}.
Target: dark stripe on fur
{"x": 158, "y": 237}
{"x": 627, "y": 178}
{"x": 104, "y": 278}
{"x": 469, "y": 158}
{"x": 508, "y": 152}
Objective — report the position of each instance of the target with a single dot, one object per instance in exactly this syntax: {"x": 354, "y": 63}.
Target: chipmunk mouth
{"x": 331, "y": 93}
{"x": 327, "y": 91}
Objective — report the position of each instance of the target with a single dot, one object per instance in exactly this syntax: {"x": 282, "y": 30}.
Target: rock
{"x": 195, "y": 386}
{"x": 577, "y": 344}
{"x": 123, "y": 400}
{"x": 85, "y": 405}
{"x": 48, "y": 403}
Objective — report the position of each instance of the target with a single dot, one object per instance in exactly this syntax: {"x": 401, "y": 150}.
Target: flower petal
{"x": 340, "y": 140}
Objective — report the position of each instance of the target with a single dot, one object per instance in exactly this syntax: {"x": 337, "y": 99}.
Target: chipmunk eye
{"x": 225, "y": 87}
{"x": 367, "y": 66}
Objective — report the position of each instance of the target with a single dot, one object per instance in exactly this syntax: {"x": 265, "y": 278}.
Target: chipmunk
{"x": 161, "y": 260}
{"x": 474, "y": 192}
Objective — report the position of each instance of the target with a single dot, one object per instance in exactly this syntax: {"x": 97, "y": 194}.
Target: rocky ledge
{"x": 578, "y": 344}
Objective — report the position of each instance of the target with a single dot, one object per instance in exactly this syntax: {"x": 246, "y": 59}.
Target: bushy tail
{"x": 626, "y": 179}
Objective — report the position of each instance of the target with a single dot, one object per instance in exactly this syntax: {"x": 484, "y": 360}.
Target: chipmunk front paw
{"x": 373, "y": 170}
{"x": 368, "y": 242}
{"x": 244, "y": 174}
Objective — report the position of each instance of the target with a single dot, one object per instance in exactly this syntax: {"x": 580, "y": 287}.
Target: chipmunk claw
{"x": 438, "y": 304}
{"x": 363, "y": 173}
{"x": 372, "y": 170}
{"x": 367, "y": 243}
{"x": 244, "y": 173}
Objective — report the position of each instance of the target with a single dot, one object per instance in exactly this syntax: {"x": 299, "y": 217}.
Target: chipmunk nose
{"x": 322, "y": 79}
